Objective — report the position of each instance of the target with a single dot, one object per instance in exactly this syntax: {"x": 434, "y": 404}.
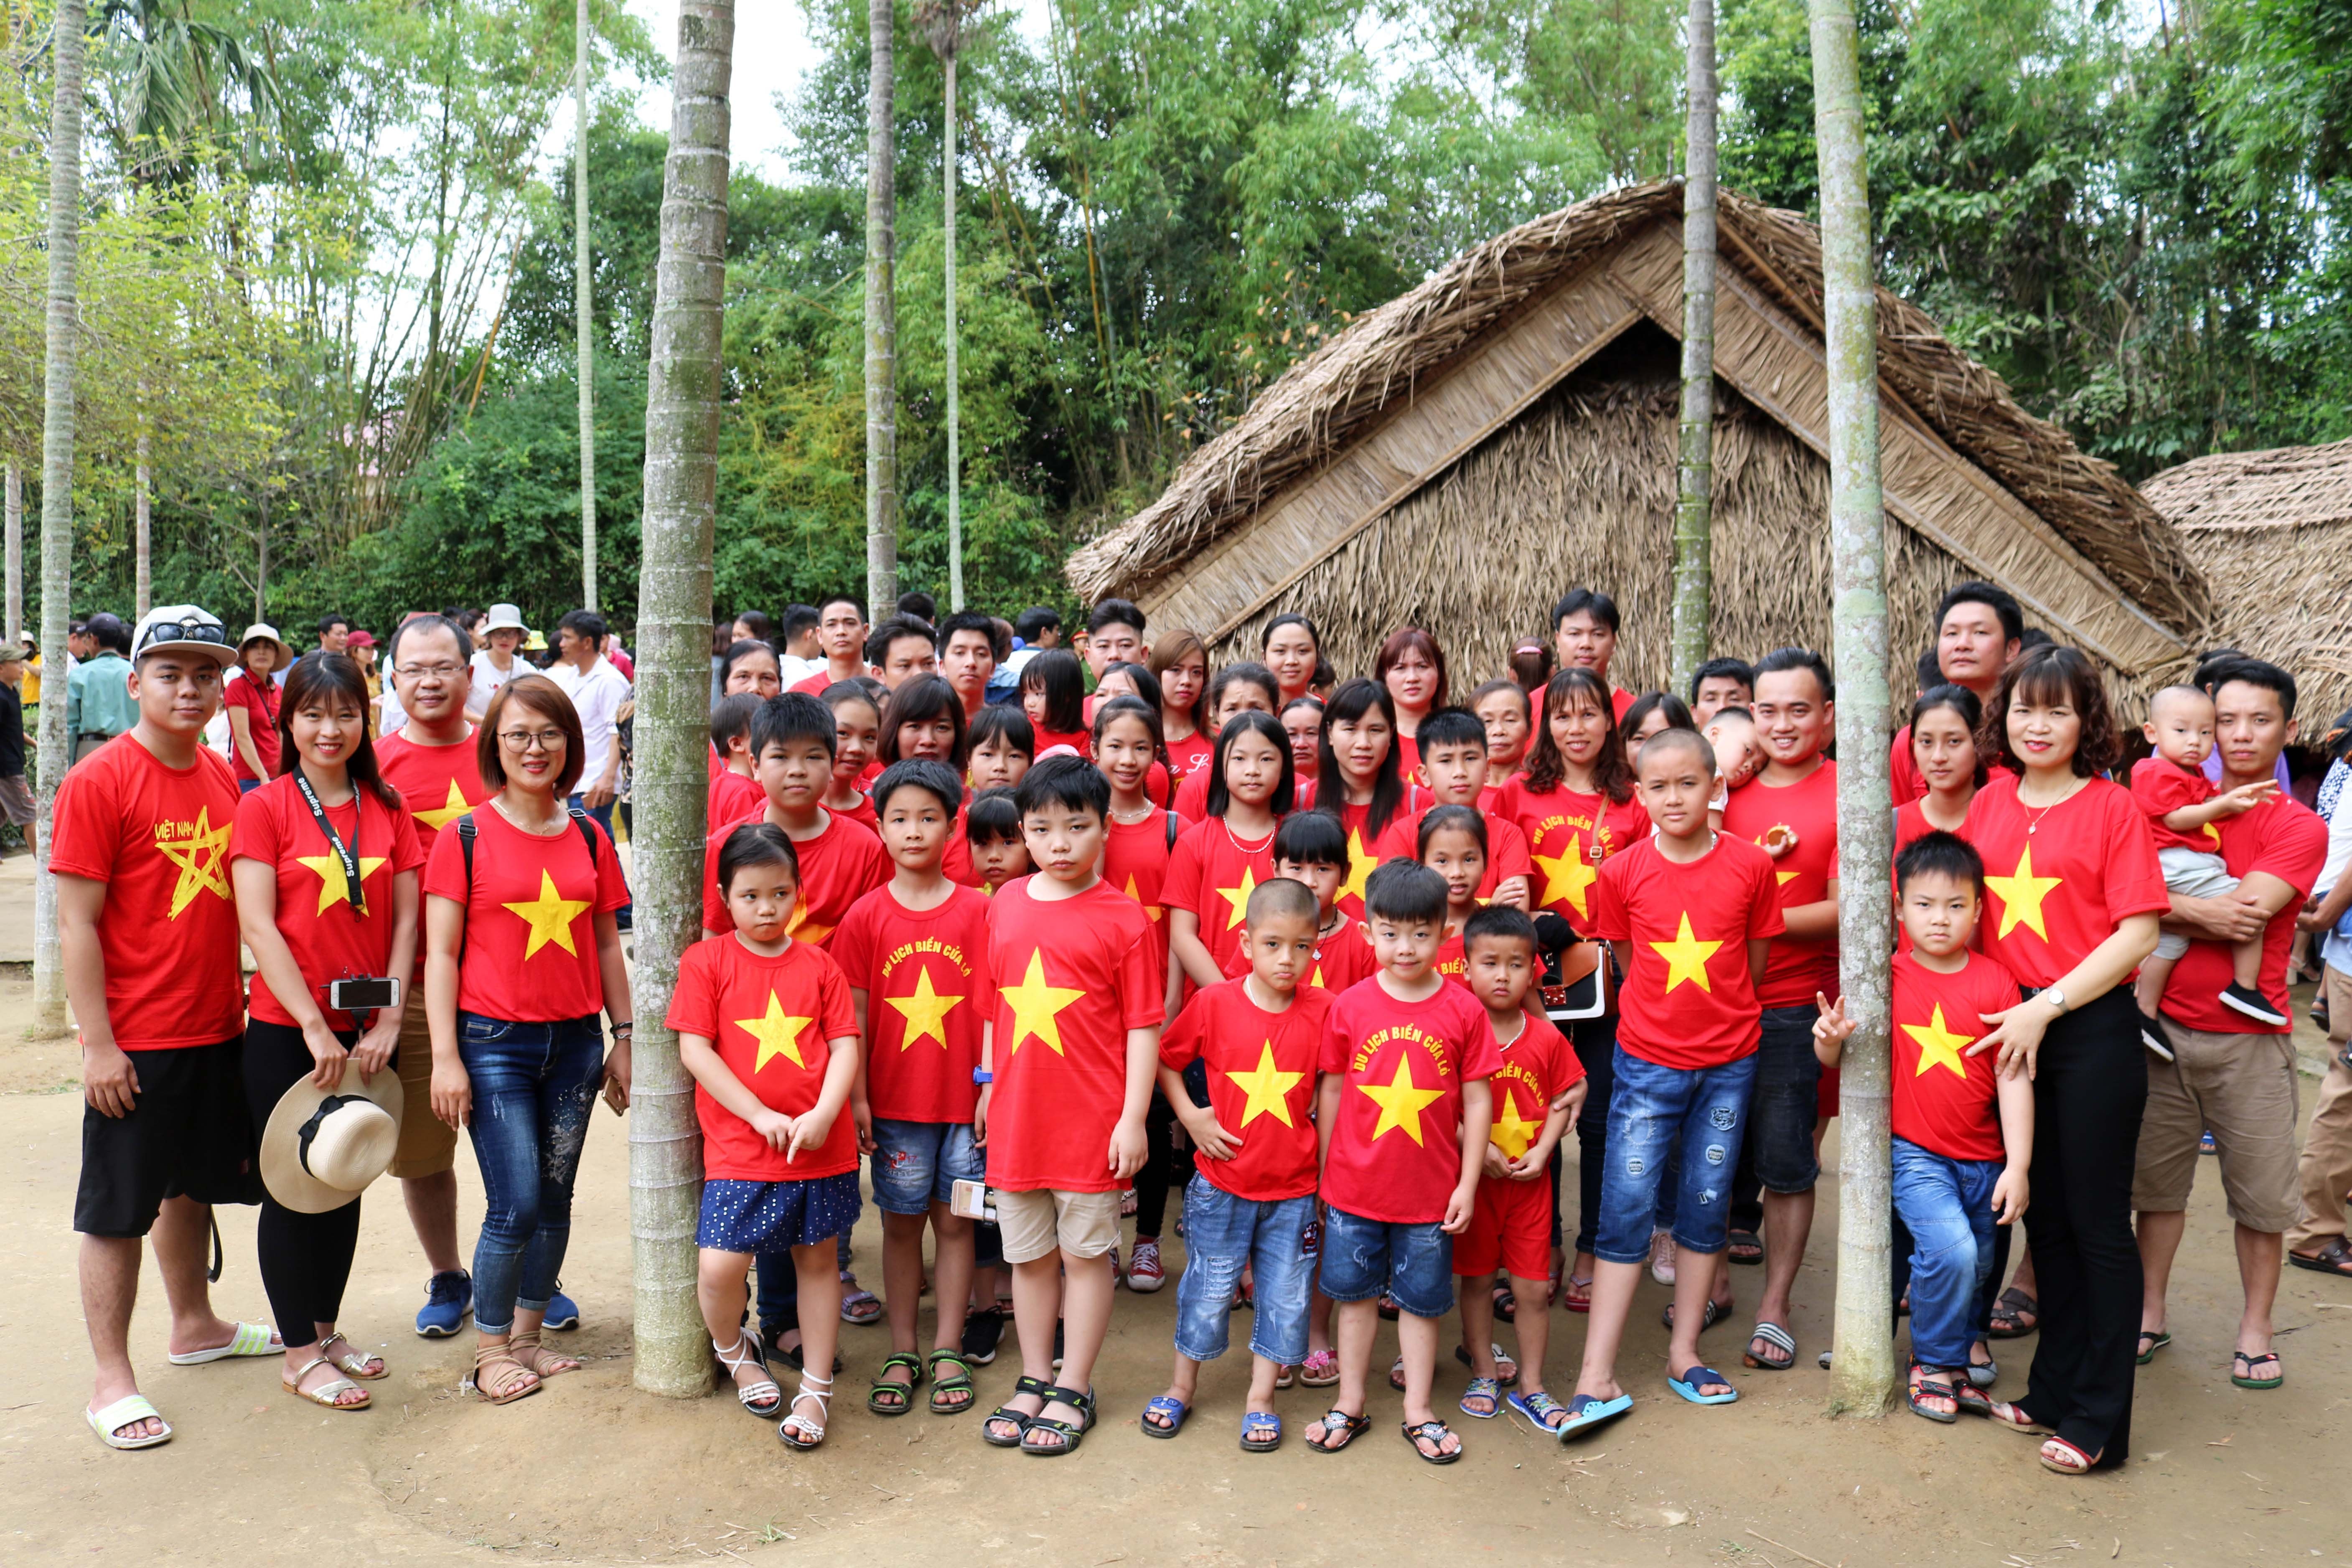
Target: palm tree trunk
{"x": 1694, "y": 501}
{"x": 67, "y": 44}
{"x": 681, "y": 503}
{"x": 142, "y": 507}
{"x": 955, "y": 465}
{"x": 584, "y": 309}
{"x": 15, "y": 614}
{"x": 881, "y": 322}
{"x": 1864, "y": 1353}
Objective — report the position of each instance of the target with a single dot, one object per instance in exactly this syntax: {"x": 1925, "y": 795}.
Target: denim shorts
{"x": 918, "y": 1164}
{"x": 1701, "y": 1112}
{"x": 1362, "y": 1257}
{"x": 1786, "y": 1105}
{"x": 1223, "y": 1234}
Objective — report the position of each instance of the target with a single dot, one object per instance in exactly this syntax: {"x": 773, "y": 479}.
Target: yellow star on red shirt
{"x": 447, "y": 811}
{"x": 1267, "y": 1088}
{"x": 197, "y": 851}
{"x": 1938, "y": 1045}
{"x": 1359, "y": 866}
{"x": 1400, "y": 1101}
{"x": 333, "y": 886}
{"x": 777, "y": 1034}
{"x": 1687, "y": 957}
{"x": 550, "y": 917}
{"x": 1239, "y": 897}
{"x": 1036, "y": 1004}
{"x": 1152, "y": 910}
{"x": 2022, "y": 894}
{"x": 1514, "y": 1133}
{"x": 1568, "y": 875}
{"x": 925, "y": 1010}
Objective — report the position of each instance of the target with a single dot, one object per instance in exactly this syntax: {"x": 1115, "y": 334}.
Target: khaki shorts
{"x": 1083, "y": 1225}
{"x": 428, "y": 1146}
{"x": 2242, "y": 1088}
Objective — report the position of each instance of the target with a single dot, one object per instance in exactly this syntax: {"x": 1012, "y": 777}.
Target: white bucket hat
{"x": 504, "y": 618}
{"x": 321, "y": 1150}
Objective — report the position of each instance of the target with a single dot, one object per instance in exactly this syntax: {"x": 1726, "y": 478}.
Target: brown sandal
{"x": 505, "y": 1387}
{"x": 526, "y": 1347}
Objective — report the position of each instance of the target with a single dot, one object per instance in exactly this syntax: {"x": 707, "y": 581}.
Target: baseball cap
{"x": 181, "y": 628}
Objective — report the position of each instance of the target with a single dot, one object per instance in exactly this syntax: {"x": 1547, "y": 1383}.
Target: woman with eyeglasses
{"x": 522, "y": 953}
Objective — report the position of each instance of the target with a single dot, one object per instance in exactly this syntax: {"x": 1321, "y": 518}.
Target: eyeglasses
{"x": 419, "y": 671}
{"x": 531, "y": 740}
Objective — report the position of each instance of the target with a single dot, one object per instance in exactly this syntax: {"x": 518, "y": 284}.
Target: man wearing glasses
{"x": 597, "y": 691}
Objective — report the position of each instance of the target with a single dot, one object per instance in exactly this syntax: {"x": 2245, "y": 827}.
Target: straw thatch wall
{"x": 2273, "y": 533}
{"x": 1581, "y": 489}
{"x": 1330, "y": 400}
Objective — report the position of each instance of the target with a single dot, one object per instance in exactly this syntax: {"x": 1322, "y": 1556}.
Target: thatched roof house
{"x": 2273, "y": 533}
{"x": 1458, "y": 456}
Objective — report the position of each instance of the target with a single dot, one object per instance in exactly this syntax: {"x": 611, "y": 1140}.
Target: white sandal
{"x": 795, "y": 1421}
{"x": 763, "y": 1397}
{"x": 355, "y": 1361}
{"x": 127, "y": 1411}
{"x": 250, "y": 1339}
{"x": 327, "y": 1393}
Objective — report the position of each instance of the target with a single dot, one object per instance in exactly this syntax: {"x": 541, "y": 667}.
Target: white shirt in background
{"x": 488, "y": 677}
{"x": 796, "y": 669}
{"x": 597, "y": 693}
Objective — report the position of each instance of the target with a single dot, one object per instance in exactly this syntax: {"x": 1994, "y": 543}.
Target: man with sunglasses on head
{"x": 148, "y": 931}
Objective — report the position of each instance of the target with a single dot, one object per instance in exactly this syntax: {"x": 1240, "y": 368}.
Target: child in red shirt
{"x": 1053, "y": 696}
{"x": 1453, "y": 763}
{"x": 1537, "y": 1092}
{"x": 1001, "y": 745}
{"x": 1310, "y": 847}
{"x": 1453, "y": 843}
{"x": 1218, "y": 861}
{"x": 735, "y": 795}
{"x": 1963, "y": 1133}
{"x": 778, "y": 1158}
{"x": 2182, "y": 809}
{"x": 1250, "y": 1205}
{"x": 857, "y": 724}
{"x": 915, "y": 952}
{"x": 1067, "y": 1067}
{"x": 1404, "y": 1113}
{"x": 839, "y": 862}
{"x": 1691, "y": 914}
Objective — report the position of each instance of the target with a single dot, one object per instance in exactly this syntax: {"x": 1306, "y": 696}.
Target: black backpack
{"x": 468, "y": 832}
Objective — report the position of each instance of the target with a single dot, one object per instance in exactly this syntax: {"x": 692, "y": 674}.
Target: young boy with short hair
{"x": 1537, "y": 1093}
{"x": 735, "y": 795}
{"x": 1402, "y": 1112}
{"x": 915, "y": 951}
{"x": 1691, "y": 914}
{"x": 993, "y": 839}
{"x": 1454, "y": 763}
{"x": 1730, "y": 732}
{"x": 1311, "y": 847}
{"x": 1066, "y": 1069}
{"x": 1250, "y": 1205}
{"x": 840, "y": 861}
{"x": 1963, "y": 1133}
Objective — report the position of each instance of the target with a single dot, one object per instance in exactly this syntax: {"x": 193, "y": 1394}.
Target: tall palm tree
{"x": 584, "y": 307}
{"x": 881, "y": 319}
{"x": 175, "y": 83}
{"x": 1694, "y": 501}
{"x": 944, "y": 24}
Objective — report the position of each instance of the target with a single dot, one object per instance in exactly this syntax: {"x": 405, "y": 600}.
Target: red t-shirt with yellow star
{"x": 838, "y": 867}
{"x": 1261, "y": 1085}
{"x": 1945, "y": 1101}
{"x": 1211, "y": 873}
{"x": 925, "y": 976}
{"x": 328, "y": 935}
{"x": 1135, "y": 857}
{"x": 1537, "y": 1067}
{"x": 2058, "y": 880}
{"x": 1795, "y": 969}
{"x": 1688, "y": 1002}
{"x": 1071, "y": 976}
{"x": 769, "y": 1020}
{"x": 1396, "y": 1143}
{"x": 1570, "y": 836}
{"x": 2163, "y": 787}
{"x": 1365, "y": 846}
{"x": 1339, "y": 961}
{"x": 438, "y": 785}
{"x": 531, "y": 928}
{"x": 158, "y": 837}
{"x": 1507, "y": 848}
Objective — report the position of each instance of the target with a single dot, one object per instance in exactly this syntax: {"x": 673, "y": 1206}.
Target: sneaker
{"x": 2253, "y": 1005}
{"x": 982, "y": 1328}
{"x": 1662, "y": 1257}
{"x": 447, "y": 1298}
{"x": 563, "y": 1311}
{"x": 2151, "y": 1035}
{"x": 1144, "y": 1274}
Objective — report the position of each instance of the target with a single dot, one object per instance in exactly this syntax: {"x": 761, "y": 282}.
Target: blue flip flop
{"x": 1254, "y": 1421}
{"x": 1689, "y": 1383}
{"x": 1537, "y": 1409}
{"x": 1587, "y": 1412}
{"x": 1171, "y": 1406}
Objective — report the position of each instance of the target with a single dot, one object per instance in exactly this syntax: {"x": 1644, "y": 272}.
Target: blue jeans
{"x": 1947, "y": 1205}
{"x": 918, "y": 1164}
{"x": 534, "y": 1085}
{"x": 1691, "y": 1118}
{"x": 625, "y": 917}
{"x": 1362, "y": 1257}
{"x": 1223, "y": 1234}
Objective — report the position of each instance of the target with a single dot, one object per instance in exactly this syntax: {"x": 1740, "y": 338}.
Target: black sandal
{"x": 886, "y": 1388}
{"x": 958, "y": 1381}
{"x": 1744, "y": 1246}
{"x": 2336, "y": 1258}
{"x": 1433, "y": 1433}
{"x": 1019, "y": 1419}
{"x": 2010, "y": 1316}
{"x": 1507, "y": 1305}
{"x": 1071, "y": 1432}
{"x": 1339, "y": 1421}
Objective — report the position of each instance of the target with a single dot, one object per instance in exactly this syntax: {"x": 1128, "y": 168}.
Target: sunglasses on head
{"x": 182, "y": 631}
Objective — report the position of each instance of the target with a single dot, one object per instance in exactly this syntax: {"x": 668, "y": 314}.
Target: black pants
{"x": 1159, "y": 1170}
{"x": 1595, "y": 1040}
{"x": 306, "y": 1259}
{"x": 2089, "y": 1091}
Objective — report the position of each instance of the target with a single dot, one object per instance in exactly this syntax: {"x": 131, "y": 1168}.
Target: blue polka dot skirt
{"x": 769, "y": 1216}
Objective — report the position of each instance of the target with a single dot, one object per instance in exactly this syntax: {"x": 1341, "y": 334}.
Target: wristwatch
{"x": 982, "y": 1074}
{"x": 2055, "y": 997}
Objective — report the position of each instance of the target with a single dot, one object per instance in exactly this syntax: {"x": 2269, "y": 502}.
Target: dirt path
{"x": 591, "y": 1471}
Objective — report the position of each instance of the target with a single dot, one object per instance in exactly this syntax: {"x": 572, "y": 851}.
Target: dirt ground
{"x": 591, "y": 1471}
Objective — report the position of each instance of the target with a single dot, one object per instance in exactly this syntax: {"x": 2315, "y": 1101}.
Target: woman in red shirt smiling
{"x": 2070, "y": 913}
{"x": 1411, "y": 669}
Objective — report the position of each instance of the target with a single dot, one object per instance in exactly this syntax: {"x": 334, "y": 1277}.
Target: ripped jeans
{"x": 1655, "y": 1114}
{"x": 534, "y": 1085}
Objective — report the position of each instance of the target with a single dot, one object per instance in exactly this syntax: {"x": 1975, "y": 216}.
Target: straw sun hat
{"x": 321, "y": 1150}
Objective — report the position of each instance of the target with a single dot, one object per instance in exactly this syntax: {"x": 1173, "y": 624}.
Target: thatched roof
{"x": 2268, "y": 531}
{"x": 1309, "y": 418}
